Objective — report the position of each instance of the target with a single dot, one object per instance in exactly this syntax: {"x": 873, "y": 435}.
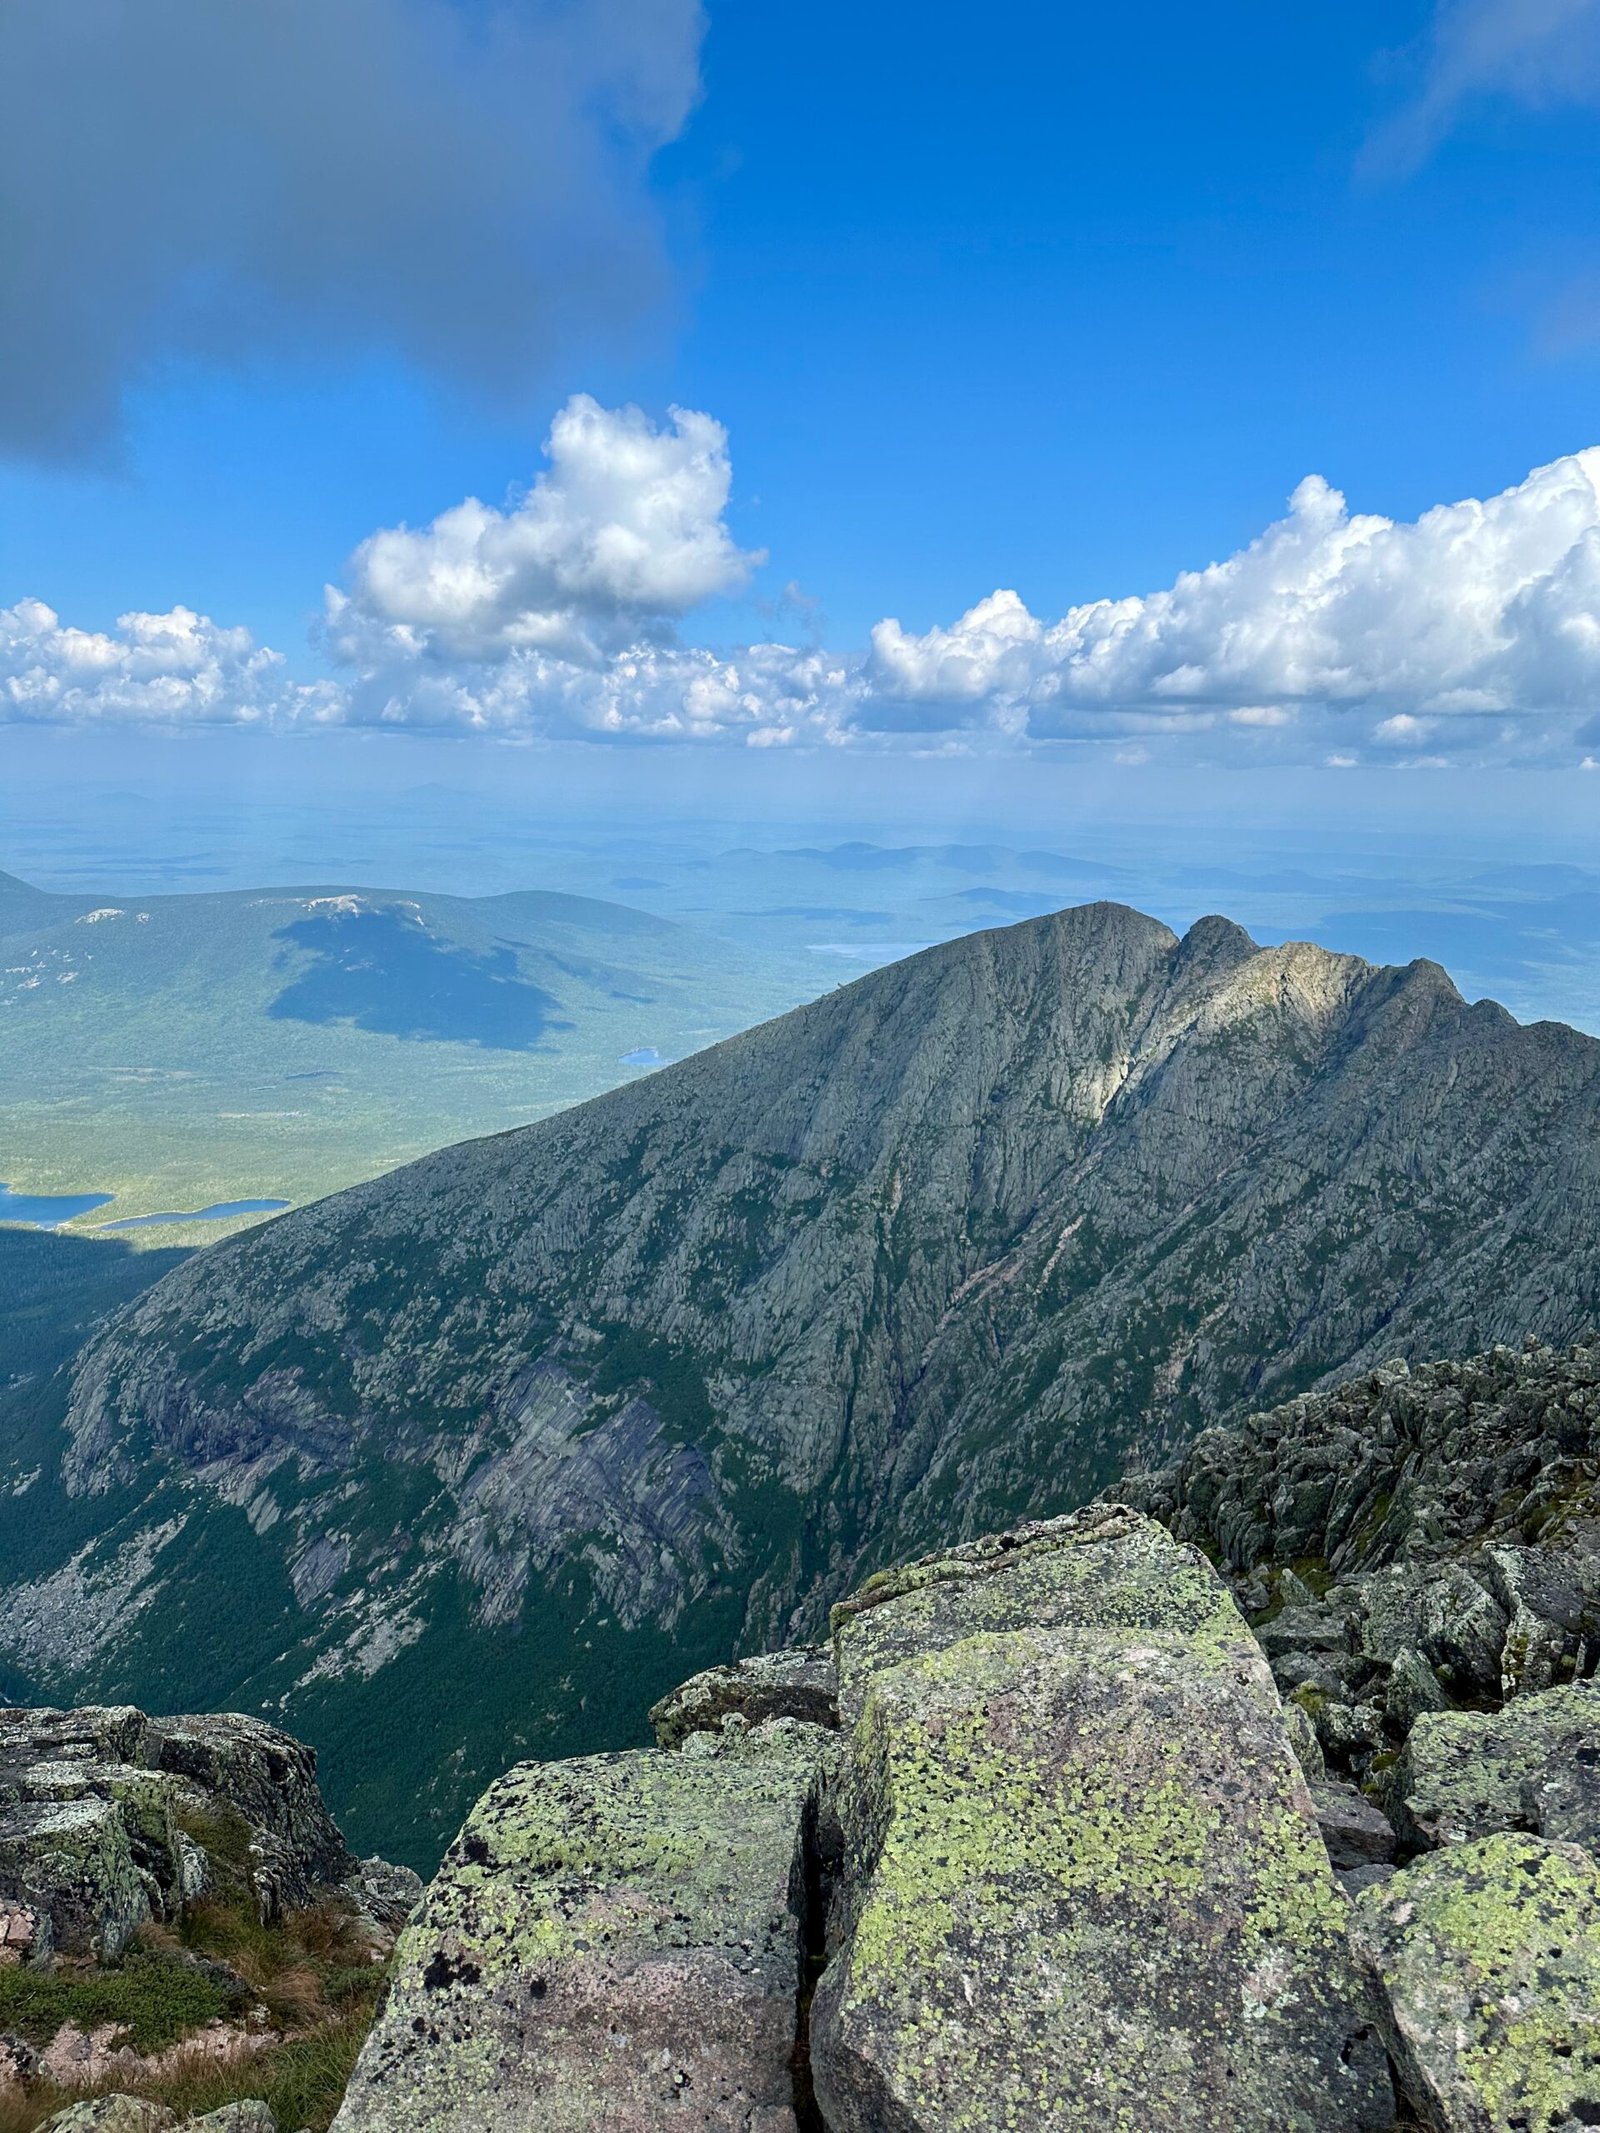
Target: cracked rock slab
{"x": 1465, "y": 1774}
{"x": 1084, "y": 1885}
{"x": 1489, "y": 1958}
{"x": 613, "y": 1944}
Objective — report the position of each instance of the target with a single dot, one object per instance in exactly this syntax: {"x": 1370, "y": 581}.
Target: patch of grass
{"x": 306, "y": 1968}
{"x": 312, "y": 1971}
{"x": 302, "y": 2080}
{"x": 153, "y": 1994}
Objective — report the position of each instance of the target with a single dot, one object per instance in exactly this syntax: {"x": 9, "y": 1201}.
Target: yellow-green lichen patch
{"x": 1489, "y": 1954}
{"x": 605, "y": 1934}
{"x": 1089, "y": 1896}
{"x": 1107, "y": 1568}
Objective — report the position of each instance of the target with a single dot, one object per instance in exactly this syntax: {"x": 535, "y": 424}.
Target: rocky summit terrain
{"x": 1262, "y": 1795}
{"x": 475, "y": 1460}
{"x": 1051, "y": 1856}
{"x": 183, "y": 1931}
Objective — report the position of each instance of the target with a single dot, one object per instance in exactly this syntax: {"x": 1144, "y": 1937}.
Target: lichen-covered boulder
{"x": 1413, "y": 1687}
{"x": 1083, "y": 1886}
{"x": 1488, "y": 1954}
{"x": 251, "y": 2116}
{"x": 100, "y": 1809}
{"x": 798, "y": 1684}
{"x": 1101, "y": 1568}
{"x": 70, "y": 1863}
{"x": 1465, "y": 1774}
{"x": 612, "y": 1944}
{"x": 268, "y": 1778}
{"x": 112, "y": 2114}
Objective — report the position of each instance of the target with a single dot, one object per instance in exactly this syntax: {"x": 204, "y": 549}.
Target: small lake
{"x": 218, "y": 1213}
{"x": 48, "y": 1210}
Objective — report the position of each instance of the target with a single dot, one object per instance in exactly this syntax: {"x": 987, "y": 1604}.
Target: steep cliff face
{"x": 493, "y": 1448}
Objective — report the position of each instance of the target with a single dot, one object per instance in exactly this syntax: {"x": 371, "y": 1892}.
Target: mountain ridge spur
{"x": 657, "y": 1378}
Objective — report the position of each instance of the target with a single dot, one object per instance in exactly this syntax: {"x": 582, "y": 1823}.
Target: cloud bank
{"x": 462, "y": 185}
{"x": 1470, "y": 633}
{"x": 175, "y": 670}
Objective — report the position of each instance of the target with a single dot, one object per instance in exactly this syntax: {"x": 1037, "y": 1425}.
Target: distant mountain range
{"x": 474, "y": 1459}
{"x": 183, "y": 1050}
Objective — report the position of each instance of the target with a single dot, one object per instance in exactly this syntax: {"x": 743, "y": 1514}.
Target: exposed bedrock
{"x": 108, "y": 1819}
{"x": 1059, "y": 1862}
{"x": 612, "y": 1944}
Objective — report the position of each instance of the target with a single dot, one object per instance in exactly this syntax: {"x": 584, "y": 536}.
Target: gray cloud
{"x": 227, "y": 178}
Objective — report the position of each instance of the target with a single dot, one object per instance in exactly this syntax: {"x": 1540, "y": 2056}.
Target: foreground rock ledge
{"x": 612, "y": 1944}
{"x": 1083, "y": 1884}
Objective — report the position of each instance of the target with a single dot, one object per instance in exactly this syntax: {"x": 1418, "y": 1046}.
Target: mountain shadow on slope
{"x": 381, "y": 969}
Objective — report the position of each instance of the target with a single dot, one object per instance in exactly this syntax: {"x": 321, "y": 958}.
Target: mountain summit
{"x": 486, "y": 1451}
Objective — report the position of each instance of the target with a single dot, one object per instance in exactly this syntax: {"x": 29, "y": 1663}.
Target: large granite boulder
{"x": 1083, "y": 1885}
{"x": 1488, "y": 1954}
{"x": 613, "y": 1944}
{"x": 1534, "y": 1765}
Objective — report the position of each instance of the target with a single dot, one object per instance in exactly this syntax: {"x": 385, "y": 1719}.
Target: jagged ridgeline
{"x": 474, "y": 1461}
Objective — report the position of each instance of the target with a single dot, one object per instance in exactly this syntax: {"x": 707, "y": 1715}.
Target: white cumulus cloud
{"x": 1472, "y": 631}
{"x": 1475, "y": 607}
{"x": 620, "y": 537}
{"x": 177, "y": 669}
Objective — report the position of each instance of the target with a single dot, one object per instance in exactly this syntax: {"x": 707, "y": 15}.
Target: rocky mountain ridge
{"x": 653, "y": 1381}
{"x": 179, "y": 1916}
{"x": 1047, "y": 1834}
{"x": 1413, "y": 1542}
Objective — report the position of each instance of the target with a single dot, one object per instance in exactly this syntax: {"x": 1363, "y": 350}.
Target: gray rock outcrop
{"x": 1057, "y": 1868}
{"x": 106, "y": 1817}
{"x": 1535, "y": 1765}
{"x": 801, "y": 1684}
{"x": 614, "y": 1943}
{"x": 1083, "y": 1886}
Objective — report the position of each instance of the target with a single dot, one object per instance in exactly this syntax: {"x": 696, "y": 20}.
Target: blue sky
{"x": 1059, "y": 301}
